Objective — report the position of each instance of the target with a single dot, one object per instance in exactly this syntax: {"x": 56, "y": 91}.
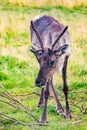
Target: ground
{"x": 19, "y": 68}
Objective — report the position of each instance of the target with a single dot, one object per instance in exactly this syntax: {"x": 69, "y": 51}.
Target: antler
{"x": 37, "y": 34}
{"x": 59, "y": 36}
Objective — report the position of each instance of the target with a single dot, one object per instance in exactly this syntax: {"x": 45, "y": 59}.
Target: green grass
{"x": 19, "y": 68}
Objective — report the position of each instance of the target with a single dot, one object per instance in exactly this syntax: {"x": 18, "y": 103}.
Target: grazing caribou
{"x": 51, "y": 46}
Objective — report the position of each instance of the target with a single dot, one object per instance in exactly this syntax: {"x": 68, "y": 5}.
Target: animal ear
{"x": 63, "y": 49}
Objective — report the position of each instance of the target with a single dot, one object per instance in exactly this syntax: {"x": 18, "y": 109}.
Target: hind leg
{"x": 59, "y": 106}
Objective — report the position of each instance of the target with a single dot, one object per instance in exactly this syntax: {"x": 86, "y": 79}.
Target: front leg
{"x": 41, "y": 100}
{"x": 46, "y": 96}
{"x": 65, "y": 90}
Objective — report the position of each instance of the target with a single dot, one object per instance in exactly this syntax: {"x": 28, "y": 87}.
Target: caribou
{"x": 51, "y": 46}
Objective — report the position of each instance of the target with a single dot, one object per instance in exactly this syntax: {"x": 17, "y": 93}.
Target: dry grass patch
{"x": 38, "y": 3}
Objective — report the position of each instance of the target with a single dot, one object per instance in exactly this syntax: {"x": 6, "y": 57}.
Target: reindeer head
{"x": 49, "y": 59}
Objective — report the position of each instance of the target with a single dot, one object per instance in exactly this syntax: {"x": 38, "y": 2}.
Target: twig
{"x": 77, "y": 107}
{"x": 8, "y": 103}
{"x": 11, "y": 98}
{"x": 38, "y": 94}
{"x": 85, "y": 111}
{"x": 21, "y": 95}
{"x": 20, "y": 122}
{"x": 85, "y": 99}
{"x": 70, "y": 92}
{"x": 74, "y": 122}
{"x": 18, "y": 103}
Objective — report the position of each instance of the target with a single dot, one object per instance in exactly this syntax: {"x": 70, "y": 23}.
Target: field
{"x": 19, "y": 68}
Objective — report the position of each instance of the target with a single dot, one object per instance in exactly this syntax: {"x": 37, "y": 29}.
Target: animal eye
{"x": 51, "y": 63}
{"x": 39, "y": 53}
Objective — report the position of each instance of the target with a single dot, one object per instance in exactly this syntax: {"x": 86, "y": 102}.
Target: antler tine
{"x": 60, "y": 36}
{"x": 37, "y": 34}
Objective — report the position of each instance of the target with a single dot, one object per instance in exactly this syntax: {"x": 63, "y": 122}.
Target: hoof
{"x": 68, "y": 115}
{"x": 43, "y": 120}
{"x": 63, "y": 115}
{"x": 60, "y": 112}
{"x": 40, "y": 105}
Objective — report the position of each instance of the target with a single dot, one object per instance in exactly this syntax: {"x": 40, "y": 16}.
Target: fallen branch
{"x": 11, "y": 101}
{"x": 15, "y": 121}
{"x": 21, "y": 95}
{"x": 82, "y": 107}
{"x": 38, "y": 94}
{"x": 10, "y": 97}
{"x": 77, "y": 107}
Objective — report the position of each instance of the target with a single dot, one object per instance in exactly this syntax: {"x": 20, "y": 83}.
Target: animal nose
{"x": 39, "y": 82}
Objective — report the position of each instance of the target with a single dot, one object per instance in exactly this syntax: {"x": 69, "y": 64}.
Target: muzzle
{"x": 40, "y": 82}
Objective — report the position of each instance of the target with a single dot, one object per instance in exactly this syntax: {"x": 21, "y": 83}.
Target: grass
{"x": 40, "y": 3}
{"x": 19, "y": 68}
